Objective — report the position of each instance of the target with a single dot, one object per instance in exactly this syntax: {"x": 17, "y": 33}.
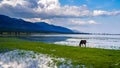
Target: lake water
{"x": 93, "y": 41}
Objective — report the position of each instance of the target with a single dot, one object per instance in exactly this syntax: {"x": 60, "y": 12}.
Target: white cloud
{"x": 77, "y": 11}
{"x": 37, "y": 20}
{"x": 41, "y": 9}
{"x": 48, "y": 4}
{"x": 32, "y": 19}
{"x": 75, "y": 23}
{"x": 46, "y": 9}
{"x": 92, "y": 22}
{"x": 78, "y": 22}
{"x": 83, "y": 22}
{"x": 105, "y": 13}
{"x": 13, "y": 2}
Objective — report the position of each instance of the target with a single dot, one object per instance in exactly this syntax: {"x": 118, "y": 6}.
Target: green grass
{"x": 98, "y": 58}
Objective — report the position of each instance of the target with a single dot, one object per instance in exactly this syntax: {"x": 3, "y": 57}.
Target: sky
{"x": 94, "y": 16}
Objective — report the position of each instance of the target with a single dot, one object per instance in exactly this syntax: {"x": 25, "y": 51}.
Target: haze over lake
{"x": 93, "y": 41}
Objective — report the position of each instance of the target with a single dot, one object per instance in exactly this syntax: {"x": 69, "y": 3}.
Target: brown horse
{"x": 82, "y": 42}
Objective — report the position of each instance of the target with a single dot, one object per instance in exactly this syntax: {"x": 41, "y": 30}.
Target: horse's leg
{"x": 80, "y": 45}
{"x": 85, "y": 44}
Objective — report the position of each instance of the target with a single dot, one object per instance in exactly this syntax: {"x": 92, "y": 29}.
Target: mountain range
{"x": 8, "y": 24}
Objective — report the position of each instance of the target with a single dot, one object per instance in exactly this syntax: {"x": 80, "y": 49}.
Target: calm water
{"x": 94, "y": 41}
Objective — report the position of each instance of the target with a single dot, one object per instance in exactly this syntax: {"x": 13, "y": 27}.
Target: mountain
{"x": 19, "y": 25}
{"x": 8, "y": 24}
{"x": 52, "y": 28}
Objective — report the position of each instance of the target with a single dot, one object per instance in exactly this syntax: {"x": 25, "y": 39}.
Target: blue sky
{"x": 94, "y": 4}
{"x": 95, "y": 16}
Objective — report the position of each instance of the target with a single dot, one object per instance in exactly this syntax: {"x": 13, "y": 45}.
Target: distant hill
{"x": 47, "y": 27}
{"x": 18, "y": 25}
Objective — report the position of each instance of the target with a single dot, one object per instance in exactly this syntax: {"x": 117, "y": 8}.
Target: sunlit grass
{"x": 97, "y": 58}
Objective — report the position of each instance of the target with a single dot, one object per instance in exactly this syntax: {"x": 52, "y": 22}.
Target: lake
{"x": 93, "y": 41}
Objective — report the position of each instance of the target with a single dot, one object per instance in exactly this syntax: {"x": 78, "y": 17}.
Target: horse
{"x": 82, "y": 42}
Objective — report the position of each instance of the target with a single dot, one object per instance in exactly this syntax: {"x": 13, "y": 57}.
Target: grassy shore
{"x": 97, "y": 58}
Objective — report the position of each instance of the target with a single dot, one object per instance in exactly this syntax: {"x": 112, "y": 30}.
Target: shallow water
{"x": 94, "y": 41}
{"x": 30, "y": 59}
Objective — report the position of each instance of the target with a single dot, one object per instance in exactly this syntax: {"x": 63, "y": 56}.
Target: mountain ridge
{"x": 9, "y": 24}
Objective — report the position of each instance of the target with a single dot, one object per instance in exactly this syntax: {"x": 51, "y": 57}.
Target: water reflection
{"x": 44, "y": 39}
{"x": 95, "y": 41}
